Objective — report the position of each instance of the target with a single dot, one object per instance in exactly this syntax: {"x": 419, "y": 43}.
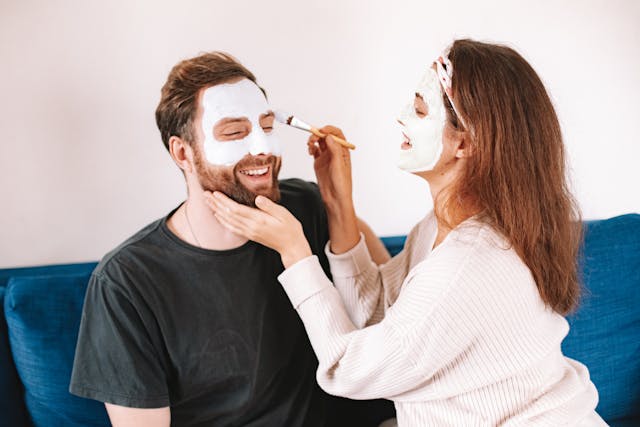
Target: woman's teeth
{"x": 255, "y": 172}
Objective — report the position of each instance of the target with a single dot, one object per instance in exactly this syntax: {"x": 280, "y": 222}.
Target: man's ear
{"x": 182, "y": 153}
{"x": 465, "y": 149}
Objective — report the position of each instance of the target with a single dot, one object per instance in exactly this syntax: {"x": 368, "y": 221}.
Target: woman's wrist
{"x": 295, "y": 253}
{"x": 340, "y": 210}
{"x": 343, "y": 231}
{"x": 336, "y": 202}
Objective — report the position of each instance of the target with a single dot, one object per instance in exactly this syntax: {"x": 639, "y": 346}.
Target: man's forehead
{"x": 236, "y": 99}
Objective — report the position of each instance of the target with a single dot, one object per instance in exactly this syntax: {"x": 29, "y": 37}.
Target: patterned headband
{"x": 444, "y": 68}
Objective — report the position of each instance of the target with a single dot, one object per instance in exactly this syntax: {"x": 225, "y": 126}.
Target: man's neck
{"x": 195, "y": 223}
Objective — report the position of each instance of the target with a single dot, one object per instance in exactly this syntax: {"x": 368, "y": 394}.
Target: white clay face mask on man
{"x": 422, "y": 145}
{"x": 242, "y": 99}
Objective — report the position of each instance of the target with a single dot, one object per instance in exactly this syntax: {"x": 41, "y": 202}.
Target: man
{"x": 185, "y": 324}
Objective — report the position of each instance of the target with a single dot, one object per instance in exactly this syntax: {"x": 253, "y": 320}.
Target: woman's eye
{"x": 267, "y": 128}
{"x": 421, "y": 108}
{"x": 232, "y": 134}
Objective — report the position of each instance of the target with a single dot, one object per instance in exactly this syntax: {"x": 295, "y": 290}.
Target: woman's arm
{"x": 332, "y": 165}
{"x": 401, "y": 353}
{"x": 383, "y": 360}
{"x": 366, "y": 289}
{"x": 363, "y": 294}
{"x": 360, "y": 283}
{"x": 379, "y": 253}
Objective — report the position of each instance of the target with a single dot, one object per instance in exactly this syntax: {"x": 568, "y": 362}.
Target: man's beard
{"x": 225, "y": 178}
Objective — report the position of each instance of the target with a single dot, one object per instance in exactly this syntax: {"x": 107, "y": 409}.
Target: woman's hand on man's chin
{"x": 270, "y": 224}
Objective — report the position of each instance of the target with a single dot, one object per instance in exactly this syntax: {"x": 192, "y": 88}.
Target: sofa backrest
{"x": 43, "y": 307}
{"x": 12, "y": 410}
{"x": 42, "y": 333}
{"x": 605, "y": 330}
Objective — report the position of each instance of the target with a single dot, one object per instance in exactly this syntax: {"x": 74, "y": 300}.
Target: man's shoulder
{"x": 132, "y": 248}
{"x": 297, "y": 189}
{"x": 297, "y": 185}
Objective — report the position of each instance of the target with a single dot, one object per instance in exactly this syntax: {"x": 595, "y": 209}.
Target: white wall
{"x": 83, "y": 165}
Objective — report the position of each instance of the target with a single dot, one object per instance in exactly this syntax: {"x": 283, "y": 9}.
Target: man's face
{"x": 423, "y": 122}
{"x": 239, "y": 155}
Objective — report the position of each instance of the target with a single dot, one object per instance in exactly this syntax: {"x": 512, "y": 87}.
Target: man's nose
{"x": 259, "y": 145}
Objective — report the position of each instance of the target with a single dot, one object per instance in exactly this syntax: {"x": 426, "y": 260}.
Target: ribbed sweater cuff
{"x": 303, "y": 280}
{"x": 351, "y": 263}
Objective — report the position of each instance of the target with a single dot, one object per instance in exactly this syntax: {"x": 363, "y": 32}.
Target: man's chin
{"x": 273, "y": 193}
{"x": 265, "y": 187}
{"x": 270, "y": 191}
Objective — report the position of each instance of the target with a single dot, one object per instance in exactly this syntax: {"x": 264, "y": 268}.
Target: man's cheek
{"x": 224, "y": 153}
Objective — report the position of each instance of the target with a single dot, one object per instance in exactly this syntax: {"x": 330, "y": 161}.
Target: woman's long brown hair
{"x": 516, "y": 174}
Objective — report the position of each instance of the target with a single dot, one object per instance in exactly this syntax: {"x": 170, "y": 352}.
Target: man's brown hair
{"x": 177, "y": 108}
{"x": 516, "y": 174}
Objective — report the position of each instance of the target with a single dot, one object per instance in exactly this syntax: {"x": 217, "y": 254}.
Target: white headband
{"x": 444, "y": 68}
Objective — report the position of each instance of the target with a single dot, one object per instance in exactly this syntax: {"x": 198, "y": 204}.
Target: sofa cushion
{"x": 43, "y": 316}
{"x": 11, "y": 403}
{"x": 605, "y": 331}
{"x": 394, "y": 244}
{"x": 46, "y": 270}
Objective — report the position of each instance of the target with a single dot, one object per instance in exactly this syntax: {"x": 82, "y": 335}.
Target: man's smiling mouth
{"x": 255, "y": 171}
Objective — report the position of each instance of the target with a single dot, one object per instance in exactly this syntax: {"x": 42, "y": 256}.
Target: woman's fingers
{"x": 313, "y": 149}
{"x": 271, "y": 225}
{"x": 223, "y": 202}
{"x": 235, "y": 229}
{"x": 236, "y": 223}
{"x": 313, "y": 145}
{"x": 267, "y": 205}
{"x": 332, "y": 130}
{"x": 238, "y": 218}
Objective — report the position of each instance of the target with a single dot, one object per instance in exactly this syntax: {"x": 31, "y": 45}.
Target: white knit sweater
{"x": 455, "y": 336}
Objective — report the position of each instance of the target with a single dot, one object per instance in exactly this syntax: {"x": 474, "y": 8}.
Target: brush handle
{"x": 337, "y": 139}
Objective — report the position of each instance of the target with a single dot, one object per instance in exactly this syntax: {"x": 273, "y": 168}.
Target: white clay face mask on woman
{"x": 242, "y": 99}
{"x": 422, "y": 145}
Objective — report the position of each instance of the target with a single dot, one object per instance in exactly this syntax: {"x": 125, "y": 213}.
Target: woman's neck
{"x": 450, "y": 208}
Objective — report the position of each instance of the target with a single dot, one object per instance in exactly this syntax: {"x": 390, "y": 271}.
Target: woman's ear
{"x": 182, "y": 153}
{"x": 465, "y": 148}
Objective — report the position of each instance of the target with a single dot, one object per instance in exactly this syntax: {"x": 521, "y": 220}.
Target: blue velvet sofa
{"x": 40, "y": 313}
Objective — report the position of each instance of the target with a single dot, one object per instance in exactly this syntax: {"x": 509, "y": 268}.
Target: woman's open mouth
{"x": 406, "y": 144}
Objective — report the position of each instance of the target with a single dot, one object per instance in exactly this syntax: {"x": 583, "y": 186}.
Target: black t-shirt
{"x": 209, "y": 333}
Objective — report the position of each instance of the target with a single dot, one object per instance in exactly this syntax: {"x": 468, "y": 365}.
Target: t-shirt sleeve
{"x": 116, "y": 360}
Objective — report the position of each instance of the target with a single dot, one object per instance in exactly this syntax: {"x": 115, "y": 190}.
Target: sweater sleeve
{"x": 361, "y": 285}
{"x": 384, "y": 360}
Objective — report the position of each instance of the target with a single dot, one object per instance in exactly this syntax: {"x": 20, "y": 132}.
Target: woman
{"x": 464, "y": 326}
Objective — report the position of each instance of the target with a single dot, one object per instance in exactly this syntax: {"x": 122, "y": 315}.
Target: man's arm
{"x": 379, "y": 253}
{"x": 116, "y": 360}
{"x": 122, "y": 416}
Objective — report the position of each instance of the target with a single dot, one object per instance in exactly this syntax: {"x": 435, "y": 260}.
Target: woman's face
{"x": 422, "y": 121}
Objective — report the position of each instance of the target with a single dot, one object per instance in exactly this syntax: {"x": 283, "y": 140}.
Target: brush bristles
{"x": 291, "y": 120}
{"x": 283, "y": 117}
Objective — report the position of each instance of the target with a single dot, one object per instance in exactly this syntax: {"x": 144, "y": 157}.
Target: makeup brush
{"x": 293, "y": 121}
